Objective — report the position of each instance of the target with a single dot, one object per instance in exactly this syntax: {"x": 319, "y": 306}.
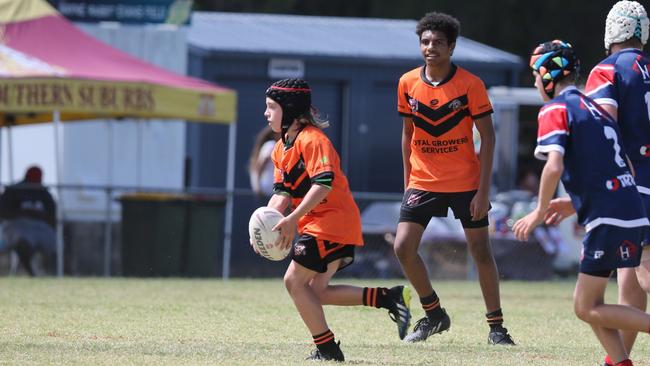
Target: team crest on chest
{"x": 414, "y": 104}
{"x": 455, "y": 104}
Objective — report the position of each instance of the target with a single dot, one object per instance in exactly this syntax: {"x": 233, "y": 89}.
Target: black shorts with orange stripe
{"x": 315, "y": 254}
{"x": 420, "y": 206}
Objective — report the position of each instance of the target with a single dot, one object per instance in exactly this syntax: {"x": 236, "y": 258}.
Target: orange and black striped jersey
{"x": 442, "y": 147}
{"x": 312, "y": 159}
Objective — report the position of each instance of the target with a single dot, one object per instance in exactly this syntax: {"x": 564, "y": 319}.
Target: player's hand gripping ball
{"x": 261, "y": 235}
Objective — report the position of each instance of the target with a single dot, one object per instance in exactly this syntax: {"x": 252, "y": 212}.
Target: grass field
{"x": 253, "y": 322}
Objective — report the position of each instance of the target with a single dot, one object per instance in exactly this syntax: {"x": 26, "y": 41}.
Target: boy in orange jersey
{"x": 309, "y": 180}
{"x": 440, "y": 103}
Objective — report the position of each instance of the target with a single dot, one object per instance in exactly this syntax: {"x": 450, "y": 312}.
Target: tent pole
{"x": 139, "y": 152}
{"x": 230, "y": 195}
{"x": 1, "y": 153}
{"x": 108, "y": 234}
{"x": 59, "y": 207}
{"x": 10, "y": 155}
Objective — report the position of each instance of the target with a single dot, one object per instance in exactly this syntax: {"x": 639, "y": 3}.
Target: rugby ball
{"x": 259, "y": 230}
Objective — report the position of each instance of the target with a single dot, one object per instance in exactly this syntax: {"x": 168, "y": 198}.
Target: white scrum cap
{"x": 625, "y": 20}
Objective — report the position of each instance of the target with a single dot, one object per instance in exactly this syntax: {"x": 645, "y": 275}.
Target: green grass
{"x": 253, "y": 322}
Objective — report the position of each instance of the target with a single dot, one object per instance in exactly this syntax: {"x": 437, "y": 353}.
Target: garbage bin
{"x": 171, "y": 235}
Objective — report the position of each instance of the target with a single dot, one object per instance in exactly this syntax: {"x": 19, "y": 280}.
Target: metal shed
{"x": 353, "y": 66}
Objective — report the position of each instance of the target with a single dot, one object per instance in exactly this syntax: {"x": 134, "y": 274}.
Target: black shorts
{"x": 315, "y": 254}
{"x": 420, "y": 206}
{"x": 606, "y": 248}
{"x": 646, "y": 203}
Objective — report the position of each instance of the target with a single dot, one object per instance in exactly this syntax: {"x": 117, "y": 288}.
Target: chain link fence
{"x": 96, "y": 246}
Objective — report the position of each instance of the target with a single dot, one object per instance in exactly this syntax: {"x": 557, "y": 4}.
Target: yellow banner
{"x": 13, "y": 11}
{"x": 22, "y": 98}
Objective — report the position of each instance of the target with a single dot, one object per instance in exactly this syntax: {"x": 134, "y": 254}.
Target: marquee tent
{"x": 52, "y": 71}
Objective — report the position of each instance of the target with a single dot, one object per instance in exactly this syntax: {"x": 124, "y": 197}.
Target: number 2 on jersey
{"x": 647, "y": 103}
{"x": 610, "y": 134}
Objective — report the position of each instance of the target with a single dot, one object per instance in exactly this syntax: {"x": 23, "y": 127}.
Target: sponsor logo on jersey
{"x": 439, "y": 146}
{"x": 645, "y": 150}
{"x": 613, "y": 184}
{"x": 433, "y": 102}
{"x": 621, "y": 181}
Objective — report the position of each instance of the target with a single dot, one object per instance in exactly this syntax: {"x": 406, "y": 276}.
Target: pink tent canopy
{"x": 47, "y": 64}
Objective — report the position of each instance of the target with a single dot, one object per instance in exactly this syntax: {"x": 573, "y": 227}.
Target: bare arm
{"x": 547, "y": 185}
{"x": 550, "y": 179}
{"x": 280, "y": 202}
{"x": 407, "y": 135}
{"x": 480, "y": 203}
{"x": 287, "y": 225}
{"x": 314, "y": 196}
{"x": 558, "y": 209}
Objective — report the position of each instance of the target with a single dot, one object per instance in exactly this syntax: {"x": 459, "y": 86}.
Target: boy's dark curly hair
{"x": 441, "y": 22}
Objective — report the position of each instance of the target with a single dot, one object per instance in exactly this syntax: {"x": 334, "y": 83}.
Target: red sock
{"x": 608, "y": 361}
{"x": 627, "y": 362}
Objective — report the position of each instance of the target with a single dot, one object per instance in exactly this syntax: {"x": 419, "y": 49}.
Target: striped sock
{"x": 376, "y": 297}
{"x": 495, "y": 319}
{"x": 431, "y": 306}
{"x": 325, "y": 341}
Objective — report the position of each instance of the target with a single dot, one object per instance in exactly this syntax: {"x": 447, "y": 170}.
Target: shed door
{"x": 376, "y": 143}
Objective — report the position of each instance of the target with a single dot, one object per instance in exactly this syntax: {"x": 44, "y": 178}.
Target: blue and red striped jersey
{"x": 622, "y": 80}
{"x": 596, "y": 174}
